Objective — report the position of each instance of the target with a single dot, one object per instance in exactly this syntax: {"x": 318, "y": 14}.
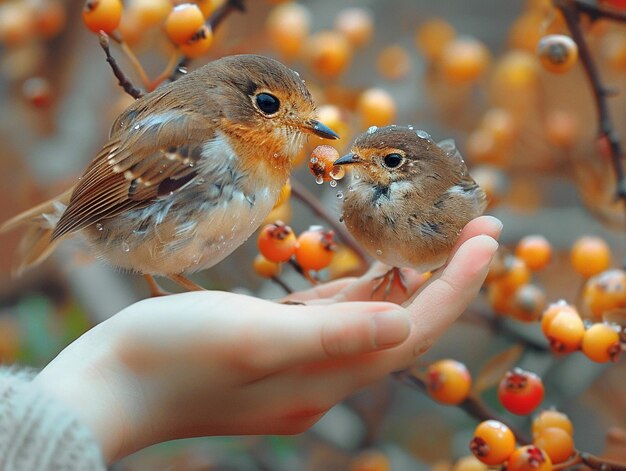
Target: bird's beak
{"x": 320, "y": 129}
{"x": 347, "y": 160}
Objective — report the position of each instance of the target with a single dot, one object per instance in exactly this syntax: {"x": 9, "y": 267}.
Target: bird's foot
{"x": 393, "y": 277}
{"x": 155, "y": 289}
{"x": 185, "y": 283}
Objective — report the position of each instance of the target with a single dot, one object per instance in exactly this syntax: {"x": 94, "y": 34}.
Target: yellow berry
{"x": 448, "y": 381}
{"x": 556, "y": 442}
{"x": 604, "y": 292}
{"x": 590, "y": 255}
{"x": 102, "y": 15}
{"x": 288, "y": 26}
{"x": 566, "y": 332}
{"x": 356, "y": 24}
{"x": 376, "y": 107}
{"x": 550, "y": 313}
{"x": 328, "y": 53}
{"x": 535, "y": 251}
{"x": 200, "y": 43}
{"x": 183, "y": 22}
{"x": 433, "y": 36}
{"x": 493, "y": 442}
{"x": 464, "y": 60}
{"x": 263, "y": 267}
{"x": 601, "y": 343}
{"x": 551, "y": 418}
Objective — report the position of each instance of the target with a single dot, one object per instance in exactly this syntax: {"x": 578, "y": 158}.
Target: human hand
{"x": 215, "y": 363}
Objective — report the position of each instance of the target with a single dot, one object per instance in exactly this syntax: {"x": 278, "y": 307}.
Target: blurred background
{"x": 464, "y": 70}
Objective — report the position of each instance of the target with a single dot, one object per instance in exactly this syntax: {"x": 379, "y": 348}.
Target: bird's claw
{"x": 393, "y": 277}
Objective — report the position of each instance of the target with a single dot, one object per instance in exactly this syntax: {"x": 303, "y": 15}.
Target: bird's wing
{"x": 149, "y": 156}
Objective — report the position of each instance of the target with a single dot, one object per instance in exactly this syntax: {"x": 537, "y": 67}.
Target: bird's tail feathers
{"x": 36, "y": 244}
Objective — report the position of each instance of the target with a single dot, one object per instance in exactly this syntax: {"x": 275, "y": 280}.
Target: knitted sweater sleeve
{"x": 38, "y": 433}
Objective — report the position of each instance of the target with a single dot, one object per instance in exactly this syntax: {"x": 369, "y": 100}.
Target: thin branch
{"x": 305, "y": 196}
{"x": 282, "y": 284}
{"x": 213, "y": 22}
{"x": 592, "y": 461}
{"x": 571, "y": 10}
{"x": 473, "y": 406}
{"x": 123, "y": 80}
{"x": 595, "y": 11}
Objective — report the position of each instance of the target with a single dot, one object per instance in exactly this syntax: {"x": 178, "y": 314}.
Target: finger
{"x": 326, "y": 290}
{"x": 443, "y": 300}
{"x": 487, "y": 225}
{"x": 299, "y": 335}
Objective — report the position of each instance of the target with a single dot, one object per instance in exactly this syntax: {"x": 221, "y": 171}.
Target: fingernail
{"x": 390, "y": 328}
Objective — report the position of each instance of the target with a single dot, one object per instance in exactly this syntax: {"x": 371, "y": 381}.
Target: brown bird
{"x": 188, "y": 174}
{"x": 408, "y": 199}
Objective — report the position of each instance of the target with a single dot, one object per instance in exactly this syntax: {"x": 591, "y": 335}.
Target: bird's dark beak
{"x": 320, "y": 129}
{"x": 347, "y": 160}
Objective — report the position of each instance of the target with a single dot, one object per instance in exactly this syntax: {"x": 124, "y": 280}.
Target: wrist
{"x": 87, "y": 378}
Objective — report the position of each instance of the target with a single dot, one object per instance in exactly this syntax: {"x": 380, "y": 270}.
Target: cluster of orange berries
{"x": 552, "y": 432}
{"x": 184, "y": 23}
{"x": 312, "y": 250}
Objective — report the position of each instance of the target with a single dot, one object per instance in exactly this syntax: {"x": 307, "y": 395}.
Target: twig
{"x": 592, "y": 461}
{"x": 212, "y": 22}
{"x": 473, "y": 406}
{"x": 299, "y": 191}
{"x": 595, "y": 11}
{"x": 571, "y": 10}
{"x": 124, "y": 81}
{"x": 282, "y": 284}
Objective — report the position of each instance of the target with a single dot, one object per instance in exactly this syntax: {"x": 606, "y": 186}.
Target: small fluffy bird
{"x": 188, "y": 174}
{"x": 409, "y": 198}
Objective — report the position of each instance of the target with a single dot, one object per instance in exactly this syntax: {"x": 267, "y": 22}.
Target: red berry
{"x": 520, "y": 392}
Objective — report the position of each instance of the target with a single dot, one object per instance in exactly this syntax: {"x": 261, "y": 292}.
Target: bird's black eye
{"x": 392, "y": 160}
{"x": 267, "y": 103}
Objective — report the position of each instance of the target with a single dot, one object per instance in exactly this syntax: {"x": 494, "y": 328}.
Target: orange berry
{"x": 50, "y": 18}
{"x": 499, "y": 299}
{"x": 288, "y": 26}
{"x": 604, "y": 292}
{"x": 528, "y": 303}
{"x": 394, "y": 62}
{"x": 321, "y": 163}
{"x": 549, "y": 419}
{"x": 513, "y": 82}
{"x": 199, "y": 44}
{"x": 601, "y": 343}
{"x": 285, "y": 194}
{"x": 356, "y": 24}
{"x": 562, "y": 128}
{"x": 433, "y": 36}
{"x": 448, "y": 381}
{"x": 500, "y": 124}
{"x": 207, "y": 7}
{"x": 550, "y": 313}
{"x": 529, "y": 458}
{"x": 376, "y": 107}
{"x": 370, "y": 460}
{"x": 516, "y": 275}
{"x": 556, "y": 442}
{"x": 590, "y": 255}
{"x": 558, "y": 53}
{"x": 464, "y": 60}
{"x": 526, "y": 31}
{"x": 565, "y": 332}
{"x": 277, "y": 242}
{"x": 264, "y": 267}
{"x": 493, "y": 442}
{"x": 17, "y": 23}
{"x": 183, "y": 22}
{"x": 150, "y": 12}
{"x": 315, "y": 249}
{"x": 328, "y": 53}
{"x": 535, "y": 251}
{"x": 102, "y": 15}
{"x": 482, "y": 148}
